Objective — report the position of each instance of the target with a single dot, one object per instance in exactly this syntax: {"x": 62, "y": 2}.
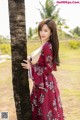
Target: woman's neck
{"x": 43, "y": 42}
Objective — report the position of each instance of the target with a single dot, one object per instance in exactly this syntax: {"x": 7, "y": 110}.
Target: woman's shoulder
{"x": 47, "y": 45}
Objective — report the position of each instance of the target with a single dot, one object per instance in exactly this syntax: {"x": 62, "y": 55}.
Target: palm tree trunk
{"x": 18, "y": 49}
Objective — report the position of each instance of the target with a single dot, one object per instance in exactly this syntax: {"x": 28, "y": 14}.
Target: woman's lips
{"x": 43, "y": 36}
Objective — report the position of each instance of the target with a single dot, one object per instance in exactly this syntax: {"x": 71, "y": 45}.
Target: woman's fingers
{"x": 26, "y": 65}
{"x": 26, "y": 61}
{"x": 23, "y": 64}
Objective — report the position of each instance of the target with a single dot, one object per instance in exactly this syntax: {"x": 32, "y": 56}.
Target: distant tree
{"x": 4, "y": 39}
{"x": 76, "y": 31}
{"x": 30, "y": 33}
{"x": 33, "y": 34}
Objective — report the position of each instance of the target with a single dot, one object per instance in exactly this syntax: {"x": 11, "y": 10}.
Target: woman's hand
{"x": 26, "y": 65}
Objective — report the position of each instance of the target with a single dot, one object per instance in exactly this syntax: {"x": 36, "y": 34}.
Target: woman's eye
{"x": 45, "y": 30}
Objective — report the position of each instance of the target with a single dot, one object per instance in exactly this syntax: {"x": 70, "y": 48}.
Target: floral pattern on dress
{"x": 39, "y": 70}
{"x": 35, "y": 101}
{"x": 50, "y": 85}
{"x": 41, "y": 99}
{"x": 39, "y": 112}
{"x": 45, "y": 97}
{"x": 49, "y": 115}
{"x": 54, "y": 105}
{"x": 59, "y": 100}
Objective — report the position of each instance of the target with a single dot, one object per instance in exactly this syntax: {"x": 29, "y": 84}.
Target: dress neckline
{"x": 45, "y": 43}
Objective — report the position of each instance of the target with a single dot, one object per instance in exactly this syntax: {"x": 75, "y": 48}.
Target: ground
{"x": 67, "y": 77}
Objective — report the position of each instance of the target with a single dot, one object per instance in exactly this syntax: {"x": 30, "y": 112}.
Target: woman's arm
{"x": 37, "y": 69}
{"x": 48, "y": 61}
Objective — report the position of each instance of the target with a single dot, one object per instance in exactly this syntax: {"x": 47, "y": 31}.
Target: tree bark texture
{"x": 19, "y": 52}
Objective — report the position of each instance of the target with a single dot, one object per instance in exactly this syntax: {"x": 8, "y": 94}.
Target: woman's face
{"x": 45, "y": 33}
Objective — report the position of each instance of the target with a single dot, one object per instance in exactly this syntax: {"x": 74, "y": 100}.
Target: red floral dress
{"x": 45, "y": 96}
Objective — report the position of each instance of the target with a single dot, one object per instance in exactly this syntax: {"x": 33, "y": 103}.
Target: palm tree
{"x": 18, "y": 49}
{"x": 50, "y": 11}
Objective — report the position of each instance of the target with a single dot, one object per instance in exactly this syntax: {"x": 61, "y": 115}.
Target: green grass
{"x": 67, "y": 76}
{"x": 5, "y": 74}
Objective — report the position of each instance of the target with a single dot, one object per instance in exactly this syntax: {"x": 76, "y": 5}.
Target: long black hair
{"x": 53, "y": 38}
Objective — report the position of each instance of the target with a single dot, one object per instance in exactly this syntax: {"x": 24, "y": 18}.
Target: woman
{"x": 45, "y": 96}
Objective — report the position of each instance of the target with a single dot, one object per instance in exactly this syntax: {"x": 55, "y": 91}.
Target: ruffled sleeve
{"x": 38, "y": 70}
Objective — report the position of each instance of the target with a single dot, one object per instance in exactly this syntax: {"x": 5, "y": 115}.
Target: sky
{"x": 70, "y": 12}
